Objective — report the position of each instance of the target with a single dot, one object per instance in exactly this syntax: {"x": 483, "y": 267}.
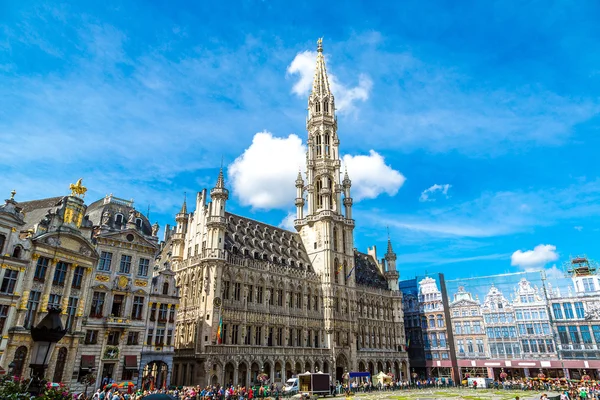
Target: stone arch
{"x": 371, "y": 368}
{"x": 228, "y": 373}
{"x": 298, "y": 367}
{"x": 397, "y": 373}
{"x": 341, "y": 367}
{"x": 288, "y": 370}
{"x": 379, "y": 366}
{"x": 61, "y": 360}
{"x": 361, "y": 366}
{"x": 307, "y": 366}
{"x": 242, "y": 373}
{"x": 155, "y": 374}
{"x": 388, "y": 367}
{"x": 317, "y": 366}
{"x": 19, "y": 360}
{"x": 254, "y": 371}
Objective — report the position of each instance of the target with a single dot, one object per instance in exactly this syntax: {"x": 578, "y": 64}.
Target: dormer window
{"x": 2, "y": 241}
{"x": 138, "y": 223}
{"x": 17, "y": 251}
{"x": 165, "y": 289}
{"x": 119, "y": 219}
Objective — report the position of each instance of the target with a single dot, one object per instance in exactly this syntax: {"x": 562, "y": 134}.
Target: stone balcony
{"x": 117, "y": 322}
{"x": 272, "y": 351}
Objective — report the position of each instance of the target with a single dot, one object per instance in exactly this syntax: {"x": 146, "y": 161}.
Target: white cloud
{"x": 536, "y": 258}
{"x": 425, "y": 195}
{"x": 578, "y": 228}
{"x": 263, "y": 176}
{"x": 288, "y": 222}
{"x": 371, "y": 176}
{"x": 303, "y": 65}
{"x": 555, "y": 273}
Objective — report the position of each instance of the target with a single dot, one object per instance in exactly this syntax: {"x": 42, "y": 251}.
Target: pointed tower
{"x": 180, "y": 230}
{"x": 327, "y": 228}
{"x": 216, "y": 222}
{"x": 391, "y": 274}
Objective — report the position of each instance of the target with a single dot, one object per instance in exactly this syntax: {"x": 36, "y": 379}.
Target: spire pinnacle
{"x": 321, "y": 82}
{"x": 184, "y": 205}
{"x": 220, "y": 179}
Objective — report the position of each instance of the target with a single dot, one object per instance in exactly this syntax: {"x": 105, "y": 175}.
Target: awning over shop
{"x": 131, "y": 362}
{"x": 359, "y": 374}
{"x": 88, "y": 362}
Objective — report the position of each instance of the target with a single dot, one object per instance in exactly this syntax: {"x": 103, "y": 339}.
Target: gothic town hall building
{"x": 257, "y": 299}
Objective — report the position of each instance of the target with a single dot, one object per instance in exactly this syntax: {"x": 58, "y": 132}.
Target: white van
{"x": 291, "y": 386}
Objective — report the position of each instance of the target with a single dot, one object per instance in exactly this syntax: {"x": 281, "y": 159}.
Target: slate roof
{"x": 254, "y": 239}
{"x": 367, "y": 272}
{"x": 36, "y": 210}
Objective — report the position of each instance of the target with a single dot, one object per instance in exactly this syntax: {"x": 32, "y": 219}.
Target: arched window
{"x": 17, "y": 251}
{"x": 319, "y": 198}
{"x": 119, "y": 219}
{"x": 335, "y": 238}
{"x": 326, "y": 107}
{"x": 2, "y": 241}
{"x": 317, "y": 107}
{"x": 61, "y": 360}
{"x": 318, "y": 144}
{"x": 440, "y": 321}
{"x": 165, "y": 288}
{"x": 19, "y": 360}
{"x": 138, "y": 223}
{"x": 327, "y": 144}
{"x": 431, "y": 322}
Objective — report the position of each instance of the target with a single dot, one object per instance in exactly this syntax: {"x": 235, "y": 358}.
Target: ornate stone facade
{"x": 256, "y": 298}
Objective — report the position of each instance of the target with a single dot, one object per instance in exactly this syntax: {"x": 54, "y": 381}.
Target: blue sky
{"x": 496, "y": 103}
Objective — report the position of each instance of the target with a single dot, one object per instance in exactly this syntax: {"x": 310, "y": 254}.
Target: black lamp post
{"x": 45, "y": 336}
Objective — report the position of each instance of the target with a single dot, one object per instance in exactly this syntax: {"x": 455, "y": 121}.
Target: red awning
{"x": 88, "y": 362}
{"x": 131, "y": 362}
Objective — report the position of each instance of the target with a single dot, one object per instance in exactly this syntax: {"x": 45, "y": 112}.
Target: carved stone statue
{"x": 105, "y": 217}
{"x": 132, "y": 215}
{"x": 155, "y": 229}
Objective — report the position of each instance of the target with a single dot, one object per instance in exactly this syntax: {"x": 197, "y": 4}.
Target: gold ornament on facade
{"x": 102, "y": 278}
{"x": 122, "y": 282}
{"x": 141, "y": 282}
{"x": 78, "y": 189}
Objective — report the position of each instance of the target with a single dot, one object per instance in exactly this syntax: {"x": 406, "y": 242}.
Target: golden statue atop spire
{"x": 78, "y": 189}
{"x": 320, "y": 44}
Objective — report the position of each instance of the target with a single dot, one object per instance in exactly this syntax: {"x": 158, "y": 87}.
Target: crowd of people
{"x": 569, "y": 389}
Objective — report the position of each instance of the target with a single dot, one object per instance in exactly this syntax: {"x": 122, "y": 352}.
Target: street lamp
{"x": 45, "y": 336}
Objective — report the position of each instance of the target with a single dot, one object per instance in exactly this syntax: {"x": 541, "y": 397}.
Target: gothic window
{"x": 327, "y": 144}
{"x": 345, "y": 271}
{"x": 19, "y": 360}
{"x": 61, "y": 360}
{"x": 319, "y": 198}
{"x": 318, "y": 145}
{"x": 326, "y": 107}
{"x": 317, "y": 107}
{"x": 335, "y": 239}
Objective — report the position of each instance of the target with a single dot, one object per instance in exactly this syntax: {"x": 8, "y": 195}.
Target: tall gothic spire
{"x": 321, "y": 82}
{"x": 184, "y": 205}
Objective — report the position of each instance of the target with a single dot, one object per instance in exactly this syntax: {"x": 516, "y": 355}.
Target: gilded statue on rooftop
{"x": 78, "y": 189}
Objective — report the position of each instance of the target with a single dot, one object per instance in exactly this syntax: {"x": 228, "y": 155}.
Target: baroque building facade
{"x": 98, "y": 264}
{"x": 260, "y": 299}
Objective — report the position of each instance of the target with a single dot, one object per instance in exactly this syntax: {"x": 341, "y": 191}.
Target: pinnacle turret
{"x": 321, "y": 82}
{"x": 184, "y": 205}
